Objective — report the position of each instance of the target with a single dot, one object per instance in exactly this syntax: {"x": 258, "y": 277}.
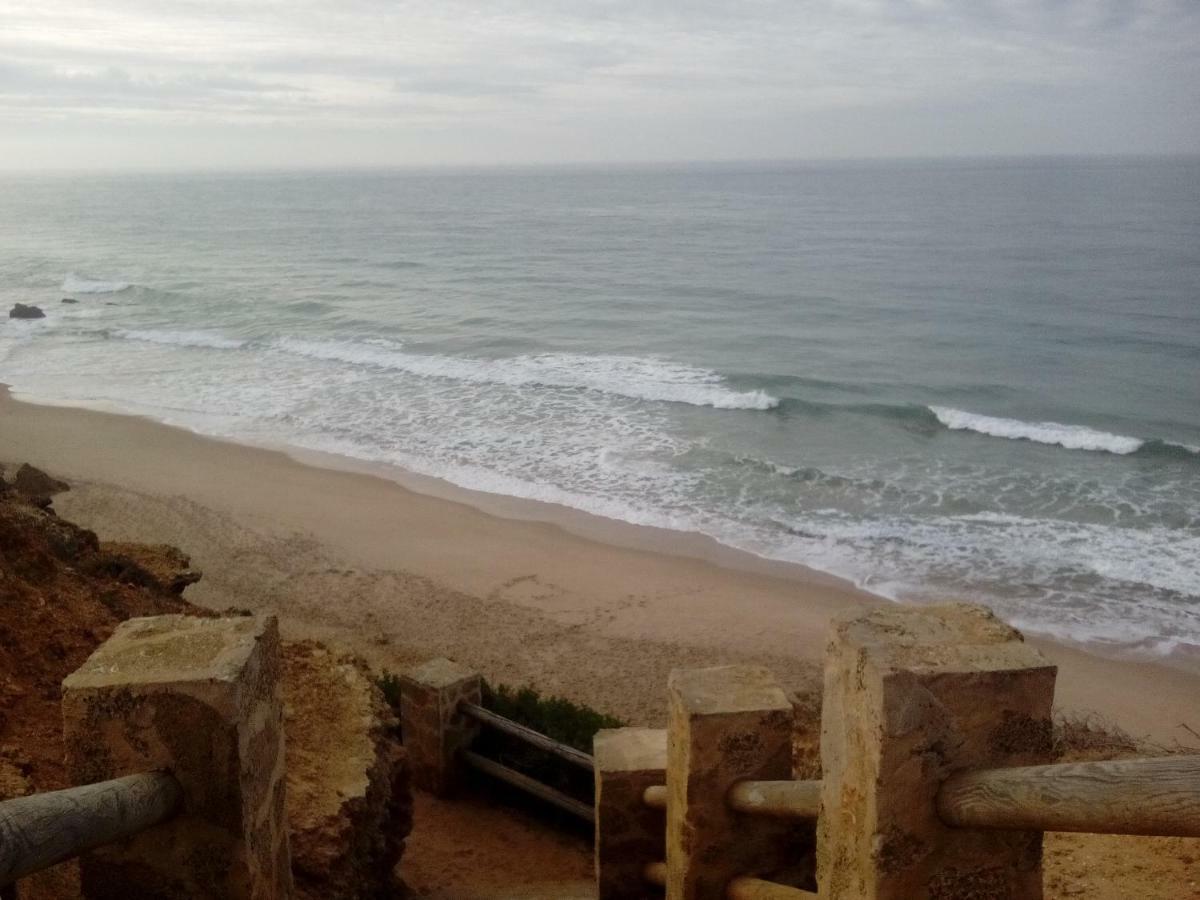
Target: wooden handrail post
{"x": 197, "y": 697}
{"x": 629, "y": 834}
{"x": 42, "y": 830}
{"x": 912, "y": 695}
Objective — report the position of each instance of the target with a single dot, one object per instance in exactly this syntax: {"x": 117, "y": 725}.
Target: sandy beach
{"x": 526, "y": 593}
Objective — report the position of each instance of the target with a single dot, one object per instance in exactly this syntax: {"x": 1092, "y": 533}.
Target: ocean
{"x": 964, "y": 379}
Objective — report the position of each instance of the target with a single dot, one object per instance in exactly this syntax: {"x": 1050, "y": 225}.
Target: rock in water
{"x": 21, "y": 311}
{"x": 69, "y": 300}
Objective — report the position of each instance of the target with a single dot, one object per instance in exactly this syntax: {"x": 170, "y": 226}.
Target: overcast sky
{"x": 293, "y": 83}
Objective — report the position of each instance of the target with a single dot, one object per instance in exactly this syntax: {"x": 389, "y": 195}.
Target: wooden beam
{"x": 41, "y": 830}
{"x": 536, "y": 738}
{"x": 656, "y": 873}
{"x": 655, "y": 796}
{"x": 746, "y": 888}
{"x": 778, "y": 799}
{"x": 529, "y": 785}
{"x": 1159, "y": 796}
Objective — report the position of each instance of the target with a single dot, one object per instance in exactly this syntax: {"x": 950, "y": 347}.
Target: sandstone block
{"x": 197, "y": 697}
{"x": 726, "y": 724}
{"x": 629, "y": 834}
{"x": 912, "y": 695}
{"x": 434, "y": 729}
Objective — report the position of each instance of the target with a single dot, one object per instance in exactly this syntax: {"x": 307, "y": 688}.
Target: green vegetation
{"x": 566, "y": 722}
{"x": 569, "y": 723}
{"x": 389, "y": 684}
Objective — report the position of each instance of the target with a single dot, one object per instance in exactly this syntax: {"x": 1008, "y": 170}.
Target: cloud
{"x": 604, "y": 79}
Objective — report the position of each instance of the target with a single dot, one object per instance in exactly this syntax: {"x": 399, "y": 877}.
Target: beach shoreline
{"x": 404, "y": 567}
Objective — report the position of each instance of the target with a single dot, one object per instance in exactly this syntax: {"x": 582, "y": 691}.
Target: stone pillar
{"x": 198, "y": 697}
{"x": 434, "y": 729}
{"x": 726, "y": 724}
{"x": 629, "y": 834}
{"x": 912, "y": 695}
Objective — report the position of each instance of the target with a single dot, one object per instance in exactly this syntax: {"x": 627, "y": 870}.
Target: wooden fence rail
{"x": 747, "y": 888}
{"x": 1157, "y": 796}
{"x": 40, "y": 830}
{"x": 528, "y": 735}
{"x": 529, "y": 785}
{"x": 777, "y": 799}
{"x": 655, "y": 796}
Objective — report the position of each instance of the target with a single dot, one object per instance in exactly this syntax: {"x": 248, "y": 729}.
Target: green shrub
{"x": 568, "y": 723}
{"x": 389, "y": 684}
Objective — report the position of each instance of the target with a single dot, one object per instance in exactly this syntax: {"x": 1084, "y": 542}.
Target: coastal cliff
{"x": 62, "y": 593}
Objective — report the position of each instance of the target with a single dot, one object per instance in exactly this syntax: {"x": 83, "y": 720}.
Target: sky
{"x": 226, "y": 84}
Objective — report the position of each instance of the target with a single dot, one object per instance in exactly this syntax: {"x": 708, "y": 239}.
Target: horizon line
{"x": 592, "y": 165}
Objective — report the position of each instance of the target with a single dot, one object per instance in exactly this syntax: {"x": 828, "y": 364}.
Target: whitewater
{"x": 916, "y": 378}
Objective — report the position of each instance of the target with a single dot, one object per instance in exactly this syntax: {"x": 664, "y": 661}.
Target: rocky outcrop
{"x": 63, "y": 592}
{"x": 21, "y": 311}
{"x": 162, "y": 564}
{"x": 61, "y": 595}
{"x": 349, "y": 803}
{"x": 36, "y": 486}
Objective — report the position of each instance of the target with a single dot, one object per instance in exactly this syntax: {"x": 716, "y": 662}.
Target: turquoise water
{"x": 977, "y": 380}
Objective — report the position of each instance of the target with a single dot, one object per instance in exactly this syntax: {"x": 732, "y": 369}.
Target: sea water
{"x": 969, "y": 379}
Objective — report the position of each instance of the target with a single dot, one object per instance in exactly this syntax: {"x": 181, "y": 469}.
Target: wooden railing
{"x": 1155, "y": 796}
{"x": 42, "y": 830}
{"x": 777, "y": 799}
{"x": 930, "y": 719}
{"x": 520, "y": 780}
{"x": 923, "y": 707}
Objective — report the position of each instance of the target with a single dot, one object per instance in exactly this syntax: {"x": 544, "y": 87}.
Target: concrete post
{"x": 912, "y": 695}
{"x": 198, "y": 697}
{"x": 629, "y": 834}
{"x": 434, "y": 729}
{"x": 726, "y": 724}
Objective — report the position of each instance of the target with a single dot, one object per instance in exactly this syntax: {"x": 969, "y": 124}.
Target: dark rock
{"x": 69, "y": 542}
{"x": 36, "y": 486}
{"x": 21, "y": 311}
{"x": 157, "y": 565}
{"x": 69, "y": 300}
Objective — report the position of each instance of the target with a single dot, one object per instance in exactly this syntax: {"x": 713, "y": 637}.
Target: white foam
{"x": 76, "y": 284}
{"x": 1072, "y": 437}
{"x": 475, "y": 423}
{"x": 205, "y": 339}
{"x": 640, "y": 378}
{"x": 1190, "y": 448}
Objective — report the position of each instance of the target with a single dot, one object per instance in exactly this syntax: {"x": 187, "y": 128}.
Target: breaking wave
{"x": 625, "y": 376}
{"x": 76, "y": 284}
{"x": 206, "y": 339}
{"x": 1072, "y": 437}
